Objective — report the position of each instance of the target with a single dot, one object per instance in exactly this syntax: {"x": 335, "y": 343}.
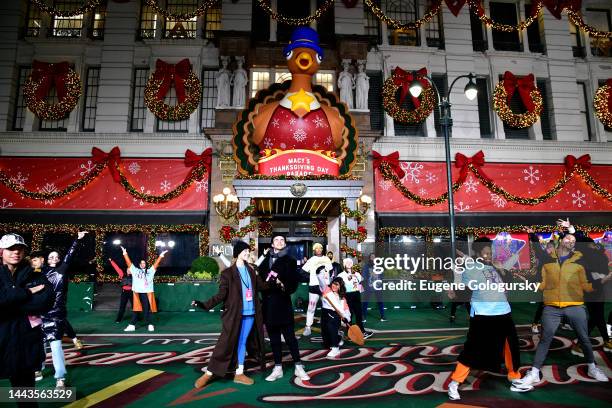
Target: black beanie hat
{"x": 240, "y": 246}
{"x": 279, "y": 234}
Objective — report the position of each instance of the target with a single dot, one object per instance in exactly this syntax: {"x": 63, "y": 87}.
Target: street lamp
{"x": 363, "y": 204}
{"x": 446, "y": 122}
{"x": 226, "y": 204}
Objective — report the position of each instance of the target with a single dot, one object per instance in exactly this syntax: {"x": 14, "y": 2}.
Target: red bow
{"x": 462, "y": 162}
{"x": 525, "y": 86}
{"x": 168, "y": 73}
{"x": 404, "y": 79}
{"x": 556, "y": 6}
{"x": 609, "y": 84}
{"x": 350, "y": 3}
{"x": 392, "y": 159}
{"x": 112, "y": 159}
{"x": 48, "y": 74}
{"x": 455, "y": 6}
{"x": 583, "y": 161}
{"x": 192, "y": 159}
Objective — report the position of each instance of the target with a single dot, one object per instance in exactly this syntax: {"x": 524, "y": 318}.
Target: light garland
{"x": 296, "y": 21}
{"x": 358, "y": 235}
{"x": 392, "y": 107}
{"x": 181, "y": 110}
{"x": 228, "y": 233}
{"x": 56, "y": 111}
{"x": 350, "y": 251}
{"x": 600, "y": 103}
{"x": 355, "y": 214}
{"x": 319, "y": 228}
{"x": 398, "y": 25}
{"x": 480, "y": 231}
{"x": 200, "y": 11}
{"x": 247, "y": 212}
{"x": 478, "y": 10}
{"x": 515, "y": 120}
{"x": 89, "y": 5}
{"x": 576, "y": 18}
{"x": 264, "y": 229}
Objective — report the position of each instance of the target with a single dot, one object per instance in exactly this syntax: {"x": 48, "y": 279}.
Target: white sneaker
{"x": 596, "y": 373}
{"x": 535, "y": 329}
{"x": 307, "y": 331}
{"x": 341, "y": 343}
{"x": 529, "y": 380}
{"x": 301, "y": 373}
{"x": 333, "y": 352}
{"x": 130, "y": 327}
{"x": 277, "y": 373}
{"x": 60, "y": 383}
{"x": 453, "y": 391}
{"x": 518, "y": 387}
{"x": 609, "y": 327}
{"x": 38, "y": 375}
{"x": 151, "y": 327}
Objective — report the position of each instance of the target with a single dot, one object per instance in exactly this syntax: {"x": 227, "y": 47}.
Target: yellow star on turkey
{"x": 301, "y": 100}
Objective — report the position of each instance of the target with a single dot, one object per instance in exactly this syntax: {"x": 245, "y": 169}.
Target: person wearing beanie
{"x": 312, "y": 268}
{"x": 280, "y": 270}
{"x": 242, "y": 325}
{"x": 353, "y": 283}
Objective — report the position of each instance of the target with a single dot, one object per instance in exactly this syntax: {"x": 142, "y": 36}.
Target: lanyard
{"x": 242, "y": 280}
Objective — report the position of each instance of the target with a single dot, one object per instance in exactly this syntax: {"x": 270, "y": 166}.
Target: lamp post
{"x": 226, "y": 204}
{"x": 446, "y": 122}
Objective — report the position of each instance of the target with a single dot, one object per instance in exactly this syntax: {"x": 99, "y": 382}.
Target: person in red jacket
{"x": 126, "y": 290}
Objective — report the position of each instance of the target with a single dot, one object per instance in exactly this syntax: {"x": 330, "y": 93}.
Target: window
{"x": 67, "y": 26}
{"x": 91, "y": 99}
{"x": 479, "y": 39}
{"x": 295, "y": 9}
{"x": 209, "y": 98}
{"x": 259, "y": 80}
{"x": 377, "y": 117}
{"x": 505, "y": 13}
{"x": 546, "y": 118}
{"x": 484, "y": 108}
{"x": 260, "y": 23}
{"x": 98, "y": 19}
{"x": 577, "y": 46}
{"x": 371, "y": 25}
{"x": 54, "y": 125}
{"x": 33, "y": 21}
{"x": 181, "y": 28}
{"x": 441, "y": 81}
{"x": 583, "y": 106}
{"x": 326, "y": 79}
{"x": 433, "y": 32}
{"x": 148, "y": 22}
{"x": 600, "y": 19}
{"x": 404, "y": 11}
{"x": 19, "y": 113}
{"x": 172, "y": 125}
{"x": 139, "y": 110}
{"x": 516, "y": 104}
{"x": 326, "y": 25}
{"x": 212, "y": 21}
{"x": 535, "y": 32}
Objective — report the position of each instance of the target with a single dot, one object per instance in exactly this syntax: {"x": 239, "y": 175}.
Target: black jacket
{"x": 21, "y": 346}
{"x": 276, "y": 305}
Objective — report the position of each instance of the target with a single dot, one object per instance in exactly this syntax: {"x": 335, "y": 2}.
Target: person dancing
{"x": 314, "y": 291}
{"x": 126, "y": 290}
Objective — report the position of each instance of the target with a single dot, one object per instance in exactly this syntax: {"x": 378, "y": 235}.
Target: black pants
{"x": 126, "y": 295}
{"x": 367, "y": 295}
{"x": 288, "y": 332}
{"x": 597, "y": 319}
{"x": 354, "y": 303}
{"x": 24, "y": 379}
{"x": 146, "y": 309}
{"x": 69, "y": 330}
{"x": 330, "y": 324}
{"x": 538, "y": 314}
{"x": 455, "y": 305}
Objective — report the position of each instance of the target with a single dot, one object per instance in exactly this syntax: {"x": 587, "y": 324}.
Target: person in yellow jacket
{"x": 564, "y": 282}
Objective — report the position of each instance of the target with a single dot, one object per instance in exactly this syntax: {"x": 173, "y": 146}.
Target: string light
{"x": 200, "y": 11}
{"x": 398, "y": 25}
{"x": 516, "y": 120}
{"x": 296, "y": 21}
{"x": 319, "y": 228}
{"x": 180, "y": 111}
{"x": 89, "y": 5}
{"x": 228, "y": 233}
{"x": 53, "y": 111}
{"x": 478, "y": 10}
{"x": 392, "y": 107}
{"x": 600, "y": 103}
{"x": 576, "y": 18}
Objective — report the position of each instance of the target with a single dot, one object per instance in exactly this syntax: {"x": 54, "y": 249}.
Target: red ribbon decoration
{"x": 455, "y": 6}
{"x": 462, "y": 162}
{"x": 192, "y": 159}
{"x": 404, "y": 79}
{"x": 524, "y": 84}
{"x": 111, "y": 158}
{"x": 583, "y": 161}
{"x": 609, "y": 84}
{"x": 350, "y": 3}
{"x": 557, "y": 6}
{"x": 392, "y": 159}
{"x": 169, "y": 73}
{"x": 48, "y": 74}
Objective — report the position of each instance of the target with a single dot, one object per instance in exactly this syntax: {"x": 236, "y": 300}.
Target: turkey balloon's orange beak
{"x": 304, "y": 61}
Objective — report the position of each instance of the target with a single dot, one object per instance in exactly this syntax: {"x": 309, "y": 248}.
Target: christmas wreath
{"x": 530, "y": 96}
{"x": 186, "y": 83}
{"x": 424, "y": 105}
{"x": 67, "y": 85}
{"x": 603, "y": 103}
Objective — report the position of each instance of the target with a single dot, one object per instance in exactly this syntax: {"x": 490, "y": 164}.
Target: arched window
{"x": 405, "y": 11}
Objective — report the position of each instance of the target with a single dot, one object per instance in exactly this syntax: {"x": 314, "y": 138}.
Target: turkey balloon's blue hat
{"x": 304, "y": 37}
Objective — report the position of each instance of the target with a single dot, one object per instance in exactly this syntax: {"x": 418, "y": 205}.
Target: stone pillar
{"x": 333, "y": 236}
{"x": 351, "y": 223}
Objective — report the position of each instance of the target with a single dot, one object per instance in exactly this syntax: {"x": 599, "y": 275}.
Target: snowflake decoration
{"x": 165, "y": 186}
{"x": 328, "y": 141}
{"x": 267, "y": 143}
{"x": 20, "y": 179}
{"x": 292, "y": 121}
{"x": 578, "y": 199}
{"x": 498, "y": 201}
{"x": 385, "y": 185}
{"x": 283, "y": 146}
{"x": 87, "y": 168}
{"x": 299, "y": 135}
{"x": 422, "y": 191}
{"x": 6, "y": 204}
{"x": 142, "y": 190}
{"x": 319, "y": 122}
{"x": 470, "y": 185}
{"x": 461, "y": 207}
{"x": 315, "y": 146}
{"x": 134, "y": 168}
{"x": 431, "y": 178}
{"x": 48, "y": 188}
{"x": 531, "y": 175}
{"x": 412, "y": 171}
{"x": 201, "y": 185}
{"x": 276, "y": 123}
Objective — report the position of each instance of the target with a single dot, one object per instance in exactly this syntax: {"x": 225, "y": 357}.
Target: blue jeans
{"x": 57, "y": 354}
{"x": 245, "y": 329}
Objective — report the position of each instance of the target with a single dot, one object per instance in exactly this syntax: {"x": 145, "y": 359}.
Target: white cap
{"x": 10, "y": 240}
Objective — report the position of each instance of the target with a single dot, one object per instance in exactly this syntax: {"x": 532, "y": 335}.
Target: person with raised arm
{"x": 126, "y": 289}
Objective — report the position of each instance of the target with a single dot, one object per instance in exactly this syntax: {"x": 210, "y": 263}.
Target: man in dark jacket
{"x": 280, "y": 268}
{"x": 24, "y": 296}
